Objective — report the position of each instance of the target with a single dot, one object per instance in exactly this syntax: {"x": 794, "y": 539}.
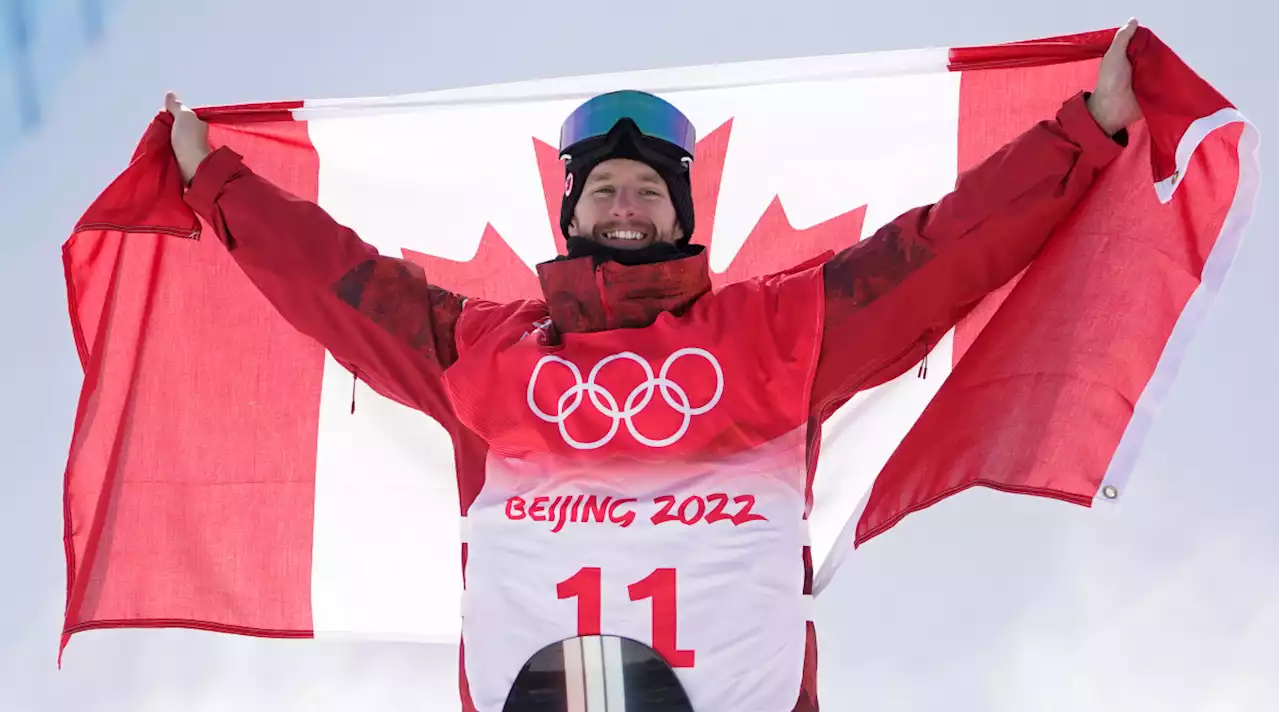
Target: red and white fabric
{"x": 226, "y": 473}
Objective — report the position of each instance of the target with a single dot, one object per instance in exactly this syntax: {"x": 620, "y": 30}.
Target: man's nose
{"x": 623, "y": 204}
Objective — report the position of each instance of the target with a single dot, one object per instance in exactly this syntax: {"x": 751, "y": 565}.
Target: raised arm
{"x": 377, "y": 315}
{"x": 891, "y": 296}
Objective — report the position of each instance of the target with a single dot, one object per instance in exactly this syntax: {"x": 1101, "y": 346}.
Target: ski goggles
{"x": 655, "y": 118}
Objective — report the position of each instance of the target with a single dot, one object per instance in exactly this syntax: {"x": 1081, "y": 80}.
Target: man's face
{"x": 625, "y": 204}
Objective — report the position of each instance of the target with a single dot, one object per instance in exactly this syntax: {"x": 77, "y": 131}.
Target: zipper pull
{"x": 923, "y": 372}
{"x": 354, "y": 378}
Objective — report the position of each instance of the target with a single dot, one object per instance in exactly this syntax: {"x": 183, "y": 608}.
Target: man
{"x": 633, "y": 449}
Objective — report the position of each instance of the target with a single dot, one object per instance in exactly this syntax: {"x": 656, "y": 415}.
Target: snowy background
{"x": 986, "y": 602}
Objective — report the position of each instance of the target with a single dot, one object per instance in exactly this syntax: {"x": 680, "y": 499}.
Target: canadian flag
{"x": 226, "y": 473}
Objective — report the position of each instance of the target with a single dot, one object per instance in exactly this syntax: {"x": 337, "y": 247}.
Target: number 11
{"x": 659, "y": 586}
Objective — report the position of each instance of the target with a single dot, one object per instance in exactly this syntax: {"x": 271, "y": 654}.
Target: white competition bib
{"x": 701, "y": 562}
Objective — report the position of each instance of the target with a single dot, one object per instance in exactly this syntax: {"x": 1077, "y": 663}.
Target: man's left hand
{"x": 1112, "y": 102}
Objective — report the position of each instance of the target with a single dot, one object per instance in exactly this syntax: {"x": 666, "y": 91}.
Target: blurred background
{"x": 40, "y": 41}
{"x": 985, "y": 602}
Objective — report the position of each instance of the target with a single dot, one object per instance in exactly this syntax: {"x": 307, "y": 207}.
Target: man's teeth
{"x": 624, "y": 235}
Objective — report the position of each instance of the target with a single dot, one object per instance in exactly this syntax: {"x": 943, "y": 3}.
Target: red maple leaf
{"x": 497, "y": 274}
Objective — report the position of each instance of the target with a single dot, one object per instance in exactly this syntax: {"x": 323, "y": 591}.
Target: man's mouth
{"x": 625, "y": 235}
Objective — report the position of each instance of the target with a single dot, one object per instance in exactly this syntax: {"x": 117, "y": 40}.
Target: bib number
{"x": 659, "y": 586}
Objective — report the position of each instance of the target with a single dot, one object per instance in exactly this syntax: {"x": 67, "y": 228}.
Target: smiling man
{"x": 627, "y": 193}
{"x": 632, "y": 387}
{"x": 625, "y": 204}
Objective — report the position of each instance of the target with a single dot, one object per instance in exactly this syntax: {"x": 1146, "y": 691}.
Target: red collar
{"x": 584, "y": 298}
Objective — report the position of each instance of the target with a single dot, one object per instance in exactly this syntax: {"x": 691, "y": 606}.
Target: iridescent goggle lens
{"x": 654, "y": 117}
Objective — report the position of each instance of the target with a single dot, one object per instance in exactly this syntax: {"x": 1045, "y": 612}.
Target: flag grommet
{"x": 1110, "y": 492}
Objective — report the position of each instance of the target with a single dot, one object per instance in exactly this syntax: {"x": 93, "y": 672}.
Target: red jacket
{"x": 888, "y": 298}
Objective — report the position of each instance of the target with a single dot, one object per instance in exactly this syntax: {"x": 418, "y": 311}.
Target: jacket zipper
{"x": 924, "y": 339}
{"x": 604, "y": 300}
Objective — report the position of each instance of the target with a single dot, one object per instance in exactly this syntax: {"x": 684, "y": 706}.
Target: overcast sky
{"x": 986, "y": 602}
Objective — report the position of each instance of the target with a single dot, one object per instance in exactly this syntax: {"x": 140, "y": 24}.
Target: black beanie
{"x": 625, "y": 141}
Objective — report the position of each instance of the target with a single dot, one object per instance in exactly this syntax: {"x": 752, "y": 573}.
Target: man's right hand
{"x": 189, "y": 137}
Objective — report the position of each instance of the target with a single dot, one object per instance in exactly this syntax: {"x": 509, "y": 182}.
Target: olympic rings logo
{"x": 639, "y": 397}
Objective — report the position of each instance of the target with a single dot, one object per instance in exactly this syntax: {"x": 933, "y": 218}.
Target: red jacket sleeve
{"x": 377, "y": 315}
{"x": 891, "y": 296}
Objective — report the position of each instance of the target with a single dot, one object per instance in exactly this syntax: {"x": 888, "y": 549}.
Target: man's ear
{"x": 573, "y": 228}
